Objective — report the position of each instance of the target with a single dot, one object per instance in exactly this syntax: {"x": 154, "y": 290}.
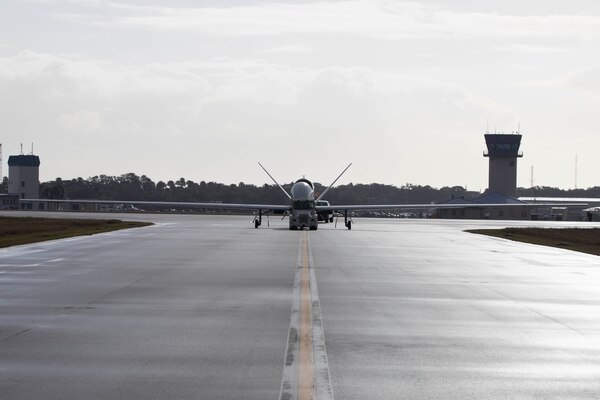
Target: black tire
{"x": 349, "y": 225}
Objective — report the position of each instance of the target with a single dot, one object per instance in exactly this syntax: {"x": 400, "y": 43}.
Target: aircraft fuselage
{"x": 303, "y": 214}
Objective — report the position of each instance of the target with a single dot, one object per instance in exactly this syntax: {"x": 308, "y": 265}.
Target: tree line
{"x": 141, "y": 188}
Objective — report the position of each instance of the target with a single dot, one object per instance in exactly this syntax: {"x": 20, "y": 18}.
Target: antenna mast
{"x": 532, "y": 176}
{"x": 273, "y": 179}
{"x": 575, "y": 171}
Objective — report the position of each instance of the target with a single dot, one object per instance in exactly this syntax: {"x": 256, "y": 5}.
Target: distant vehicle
{"x": 127, "y": 208}
{"x": 325, "y": 215}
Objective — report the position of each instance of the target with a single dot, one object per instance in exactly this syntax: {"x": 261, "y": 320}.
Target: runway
{"x": 208, "y": 307}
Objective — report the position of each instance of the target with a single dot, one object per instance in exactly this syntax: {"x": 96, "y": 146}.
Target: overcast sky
{"x": 204, "y": 89}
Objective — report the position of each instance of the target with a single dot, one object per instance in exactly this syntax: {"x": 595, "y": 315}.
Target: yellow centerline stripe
{"x": 306, "y": 374}
{"x": 305, "y": 368}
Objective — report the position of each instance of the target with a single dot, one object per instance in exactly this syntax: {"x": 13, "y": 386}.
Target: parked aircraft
{"x": 303, "y": 208}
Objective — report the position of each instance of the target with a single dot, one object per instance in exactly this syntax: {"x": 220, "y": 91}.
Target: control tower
{"x": 503, "y": 151}
{"x": 23, "y": 176}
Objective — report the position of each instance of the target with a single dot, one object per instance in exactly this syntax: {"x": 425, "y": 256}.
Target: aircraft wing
{"x": 561, "y": 200}
{"x": 221, "y": 206}
{"x": 358, "y": 207}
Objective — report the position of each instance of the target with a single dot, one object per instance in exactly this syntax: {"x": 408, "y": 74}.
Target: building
{"x": 475, "y": 208}
{"x": 503, "y": 151}
{"x": 24, "y": 177}
{"x": 8, "y": 201}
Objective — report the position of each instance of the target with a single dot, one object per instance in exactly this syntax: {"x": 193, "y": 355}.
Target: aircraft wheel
{"x": 313, "y": 228}
{"x": 349, "y": 225}
{"x": 256, "y": 224}
{"x": 331, "y": 219}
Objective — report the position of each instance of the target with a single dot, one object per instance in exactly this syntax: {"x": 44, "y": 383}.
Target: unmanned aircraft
{"x": 304, "y": 207}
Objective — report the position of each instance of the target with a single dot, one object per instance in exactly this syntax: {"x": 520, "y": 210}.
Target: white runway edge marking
{"x": 305, "y": 370}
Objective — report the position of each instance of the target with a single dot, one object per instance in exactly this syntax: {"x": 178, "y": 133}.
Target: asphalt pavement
{"x": 204, "y": 307}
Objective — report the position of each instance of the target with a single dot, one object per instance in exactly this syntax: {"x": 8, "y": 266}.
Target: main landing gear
{"x": 347, "y": 221}
{"x": 258, "y": 219}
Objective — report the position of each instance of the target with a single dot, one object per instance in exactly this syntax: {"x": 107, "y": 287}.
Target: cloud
{"x": 378, "y": 19}
{"x": 584, "y": 80}
{"x": 529, "y": 49}
{"x": 587, "y": 80}
{"x": 81, "y": 2}
{"x": 193, "y": 113}
{"x": 290, "y": 48}
{"x": 95, "y": 76}
{"x": 91, "y": 88}
{"x": 71, "y": 95}
{"x": 81, "y": 121}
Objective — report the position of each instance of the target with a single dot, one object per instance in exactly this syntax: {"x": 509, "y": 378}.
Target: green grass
{"x": 17, "y": 230}
{"x": 577, "y": 239}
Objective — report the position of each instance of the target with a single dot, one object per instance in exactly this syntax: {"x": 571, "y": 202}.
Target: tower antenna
{"x": 532, "y": 176}
{"x": 575, "y": 171}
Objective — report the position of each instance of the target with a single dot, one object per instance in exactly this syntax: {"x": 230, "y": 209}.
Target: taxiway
{"x": 204, "y": 307}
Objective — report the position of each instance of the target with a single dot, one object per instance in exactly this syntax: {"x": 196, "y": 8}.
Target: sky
{"x": 405, "y": 90}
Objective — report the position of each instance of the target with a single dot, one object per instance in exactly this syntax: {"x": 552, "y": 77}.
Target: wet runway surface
{"x": 201, "y": 307}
